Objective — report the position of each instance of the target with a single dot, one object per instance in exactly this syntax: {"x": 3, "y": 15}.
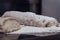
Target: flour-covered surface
{"x": 37, "y": 31}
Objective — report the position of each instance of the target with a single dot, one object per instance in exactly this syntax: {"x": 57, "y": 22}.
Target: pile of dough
{"x": 31, "y": 19}
{"x": 9, "y": 24}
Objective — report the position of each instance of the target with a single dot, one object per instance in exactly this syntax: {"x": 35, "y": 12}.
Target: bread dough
{"x": 31, "y": 19}
{"x": 9, "y": 24}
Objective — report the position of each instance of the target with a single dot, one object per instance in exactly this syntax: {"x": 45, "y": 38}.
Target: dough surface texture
{"x": 32, "y": 19}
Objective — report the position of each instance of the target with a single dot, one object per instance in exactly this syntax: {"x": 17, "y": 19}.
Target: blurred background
{"x": 20, "y": 5}
{"x": 44, "y": 7}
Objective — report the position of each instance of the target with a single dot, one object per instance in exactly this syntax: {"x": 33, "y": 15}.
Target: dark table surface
{"x": 31, "y": 37}
{"x": 28, "y": 37}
